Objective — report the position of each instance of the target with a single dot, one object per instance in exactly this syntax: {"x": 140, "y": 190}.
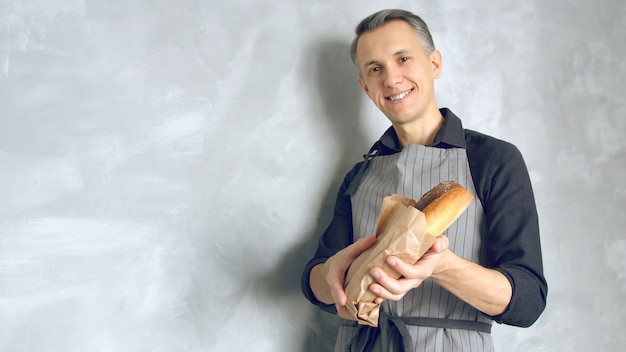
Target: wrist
{"x": 319, "y": 284}
{"x": 444, "y": 265}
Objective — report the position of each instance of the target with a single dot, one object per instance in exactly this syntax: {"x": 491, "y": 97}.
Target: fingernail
{"x": 376, "y": 274}
{"x": 392, "y": 261}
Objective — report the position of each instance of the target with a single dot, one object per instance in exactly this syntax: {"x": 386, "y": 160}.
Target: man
{"x": 487, "y": 267}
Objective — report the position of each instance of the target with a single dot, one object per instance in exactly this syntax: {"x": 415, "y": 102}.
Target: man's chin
{"x": 399, "y": 118}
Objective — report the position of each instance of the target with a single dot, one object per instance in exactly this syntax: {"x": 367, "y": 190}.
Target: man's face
{"x": 396, "y": 72}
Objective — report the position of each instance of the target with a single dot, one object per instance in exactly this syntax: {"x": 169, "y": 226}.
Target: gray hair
{"x": 383, "y": 17}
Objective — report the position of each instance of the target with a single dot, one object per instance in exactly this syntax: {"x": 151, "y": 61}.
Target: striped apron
{"x": 411, "y": 173}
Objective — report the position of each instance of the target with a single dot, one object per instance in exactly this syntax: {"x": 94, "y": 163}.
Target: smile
{"x": 400, "y": 96}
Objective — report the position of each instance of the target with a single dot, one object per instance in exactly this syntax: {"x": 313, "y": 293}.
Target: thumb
{"x": 363, "y": 244}
{"x": 441, "y": 244}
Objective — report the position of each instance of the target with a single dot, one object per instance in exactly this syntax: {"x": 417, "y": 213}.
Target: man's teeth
{"x": 399, "y": 96}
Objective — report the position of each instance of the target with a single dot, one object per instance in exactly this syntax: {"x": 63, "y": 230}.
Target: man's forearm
{"x": 485, "y": 289}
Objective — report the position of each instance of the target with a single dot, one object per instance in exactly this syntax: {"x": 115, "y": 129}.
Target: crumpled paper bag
{"x": 401, "y": 231}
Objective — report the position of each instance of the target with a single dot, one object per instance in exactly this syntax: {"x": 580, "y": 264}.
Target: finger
{"x": 440, "y": 245}
{"x": 411, "y": 275}
{"x": 403, "y": 268}
{"x": 343, "y": 312}
{"x": 386, "y": 292}
{"x": 335, "y": 280}
{"x": 338, "y": 294}
{"x": 387, "y": 286}
{"x": 362, "y": 244}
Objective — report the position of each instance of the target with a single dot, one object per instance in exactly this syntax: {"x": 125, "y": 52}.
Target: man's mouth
{"x": 399, "y": 96}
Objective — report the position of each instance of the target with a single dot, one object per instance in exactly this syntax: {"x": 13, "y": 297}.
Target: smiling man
{"x": 487, "y": 268}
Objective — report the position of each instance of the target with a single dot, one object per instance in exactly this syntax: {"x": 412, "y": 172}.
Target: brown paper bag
{"x": 400, "y": 231}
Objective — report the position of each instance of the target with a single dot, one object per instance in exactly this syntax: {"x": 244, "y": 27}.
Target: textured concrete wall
{"x": 167, "y": 166}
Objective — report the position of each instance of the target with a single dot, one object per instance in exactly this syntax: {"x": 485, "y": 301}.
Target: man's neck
{"x": 422, "y": 131}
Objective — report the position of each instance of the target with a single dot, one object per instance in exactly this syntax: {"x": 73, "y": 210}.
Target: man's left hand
{"x": 387, "y": 287}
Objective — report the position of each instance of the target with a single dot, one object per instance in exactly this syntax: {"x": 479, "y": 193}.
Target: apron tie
{"x": 367, "y": 336}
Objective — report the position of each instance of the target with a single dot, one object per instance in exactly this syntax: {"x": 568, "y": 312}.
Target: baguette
{"x": 442, "y": 205}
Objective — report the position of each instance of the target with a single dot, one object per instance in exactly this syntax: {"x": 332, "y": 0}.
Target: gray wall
{"x": 167, "y": 166}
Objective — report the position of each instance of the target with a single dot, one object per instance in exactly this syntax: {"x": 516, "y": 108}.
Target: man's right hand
{"x": 327, "y": 280}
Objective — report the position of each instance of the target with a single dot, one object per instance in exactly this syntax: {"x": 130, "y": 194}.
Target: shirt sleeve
{"x": 511, "y": 243}
{"x": 337, "y": 236}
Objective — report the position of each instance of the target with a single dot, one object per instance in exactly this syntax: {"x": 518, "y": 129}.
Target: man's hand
{"x": 413, "y": 275}
{"x": 328, "y": 279}
{"x": 485, "y": 289}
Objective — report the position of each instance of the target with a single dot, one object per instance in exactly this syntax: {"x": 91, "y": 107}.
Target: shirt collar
{"x": 450, "y": 135}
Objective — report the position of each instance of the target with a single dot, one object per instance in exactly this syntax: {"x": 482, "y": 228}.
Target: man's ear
{"x": 363, "y": 85}
{"x": 436, "y": 61}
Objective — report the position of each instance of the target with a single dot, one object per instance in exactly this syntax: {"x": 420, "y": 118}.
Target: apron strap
{"x": 367, "y": 336}
{"x": 356, "y": 181}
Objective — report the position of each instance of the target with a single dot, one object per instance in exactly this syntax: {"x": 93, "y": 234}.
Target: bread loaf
{"x": 442, "y": 205}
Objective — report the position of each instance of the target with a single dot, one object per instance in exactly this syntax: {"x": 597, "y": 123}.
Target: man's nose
{"x": 392, "y": 76}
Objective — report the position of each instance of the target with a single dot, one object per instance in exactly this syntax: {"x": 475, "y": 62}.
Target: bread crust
{"x": 442, "y": 205}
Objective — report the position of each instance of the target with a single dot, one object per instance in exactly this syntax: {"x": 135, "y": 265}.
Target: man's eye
{"x": 404, "y": 59}
{"x": 375, "y": 69}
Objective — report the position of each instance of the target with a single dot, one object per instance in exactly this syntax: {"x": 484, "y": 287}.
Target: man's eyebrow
{"x": 399, "y": 52}
{"x": 370, "y": 62}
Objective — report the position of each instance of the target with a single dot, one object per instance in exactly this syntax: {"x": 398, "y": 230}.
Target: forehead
{"x": 387, "y": 40}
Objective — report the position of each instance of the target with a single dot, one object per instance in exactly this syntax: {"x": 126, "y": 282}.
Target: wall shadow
{"x": 333, "y": 80}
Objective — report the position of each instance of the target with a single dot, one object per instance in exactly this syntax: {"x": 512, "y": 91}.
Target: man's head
{"x": 396, "y": 69}
{"x": 380, "y": 18}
